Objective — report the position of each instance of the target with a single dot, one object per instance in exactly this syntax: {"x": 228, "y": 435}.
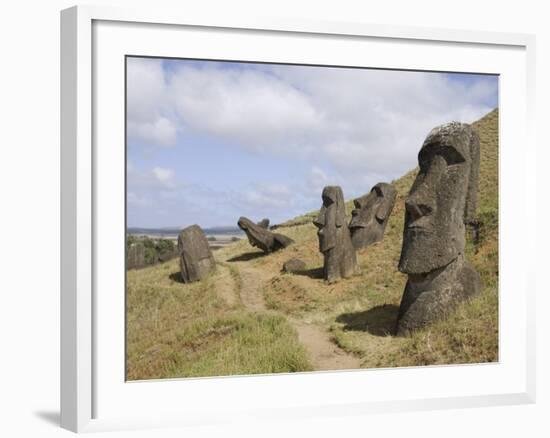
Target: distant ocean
{"x": 174, "y": 232}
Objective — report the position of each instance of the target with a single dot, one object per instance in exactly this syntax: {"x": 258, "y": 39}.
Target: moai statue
{"x": 196, "y": 259}
{"x": 371, "y": 215}
{"x": 260, "y": 237}
{"x": 442, "y": 201}
{"x": 334, "y": 236}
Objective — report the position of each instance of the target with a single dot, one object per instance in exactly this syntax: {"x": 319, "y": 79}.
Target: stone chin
{"x": 324, "y": 246}
{"x": 357, "y": 224}
{"x": 424, "y": 252}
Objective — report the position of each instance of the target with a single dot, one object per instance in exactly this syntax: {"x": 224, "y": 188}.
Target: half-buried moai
{"x": 196, "y": 259}
{"x": 334, "y": 236}
{"x": 371, "y": 215}
{"x": 260, "y": 237}
{"x": 441, "y": 202}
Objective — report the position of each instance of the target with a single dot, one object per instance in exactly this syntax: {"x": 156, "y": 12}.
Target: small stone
{"x": 294, "y": 265}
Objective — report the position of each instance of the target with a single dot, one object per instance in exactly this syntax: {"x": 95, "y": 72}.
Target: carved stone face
{"x": 331, "y": 217}
{"x": 370, "y": 215}
{"x": 441, "y": 199}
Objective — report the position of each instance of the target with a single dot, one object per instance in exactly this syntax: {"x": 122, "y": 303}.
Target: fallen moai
{"x": 260, "y": 237}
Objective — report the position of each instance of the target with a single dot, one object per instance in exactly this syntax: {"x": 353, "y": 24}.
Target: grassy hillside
{"x": 214, "y": 328}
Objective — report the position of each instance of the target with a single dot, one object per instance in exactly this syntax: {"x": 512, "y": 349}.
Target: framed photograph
{"x": 286, "y": 219}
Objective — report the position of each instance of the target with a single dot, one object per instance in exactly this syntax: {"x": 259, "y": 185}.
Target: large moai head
{"x": 441, "y": 202}
{"x": 442, "y": 199}
{"x": 260, "y": 237}
{"x": 334, "y": 236}
{"x": 371, "y": 214}
{"x": 196, "y": 259}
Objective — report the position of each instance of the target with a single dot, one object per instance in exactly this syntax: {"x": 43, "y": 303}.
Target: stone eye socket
{"x": 450, "y": 154}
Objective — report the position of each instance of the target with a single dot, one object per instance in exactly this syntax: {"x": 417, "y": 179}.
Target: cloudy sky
{"x": 211, "y": 141}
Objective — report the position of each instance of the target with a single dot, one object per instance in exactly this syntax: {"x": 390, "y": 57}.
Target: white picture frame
{"x": 93, "y": 396}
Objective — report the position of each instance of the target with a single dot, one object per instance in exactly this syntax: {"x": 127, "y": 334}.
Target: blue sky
{"x": 211, "y": 141}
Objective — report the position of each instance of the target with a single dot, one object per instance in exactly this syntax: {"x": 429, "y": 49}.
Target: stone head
{"x": 331, "y": 218}
{"x": 245, "y": 223}
{"x": 254, "y": 232}
{"x": 376, "y": 205}
{"x": 442, "y": 199}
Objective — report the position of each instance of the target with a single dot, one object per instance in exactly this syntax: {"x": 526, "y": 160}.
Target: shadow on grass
{"x": 176, "y": 276}
{"x": 311, "y": 273}
{"x": 378, "y": 321}
{"x": 246, "y": 257}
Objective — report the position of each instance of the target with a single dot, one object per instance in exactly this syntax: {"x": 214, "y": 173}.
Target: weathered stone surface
{"x": 294, "y": 265}
{"x": 441, "y": 202}
{"x": 371, "y": 215}
{"x": 262, "y": 238}
{"x": 264, "y": 223}
{"x": 334, "y": 236}
{"x": 196, "y": 259}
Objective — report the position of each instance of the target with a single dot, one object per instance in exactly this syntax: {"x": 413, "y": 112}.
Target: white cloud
{"x": 374, "y": 122}
{"x": 361, "y": 121}
{"x": 160, "y": 132}
{"x": 134, "y": 200}
{"x": 254, "y": 109}
{"x": 164, "y": 175}
{"x": 146, "y": 89}
{"x": 268, "y": 196}
{"x": 350, "y": 127}
{"x": 148, "y": 104}
{"x": 158, "y": 178}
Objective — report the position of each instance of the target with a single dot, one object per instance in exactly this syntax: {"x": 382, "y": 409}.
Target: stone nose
{"x": 418, "y": 209}
{"x": 420, "y": 203}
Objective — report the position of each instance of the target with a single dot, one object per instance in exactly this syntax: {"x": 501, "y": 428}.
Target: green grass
{"x": 188, "y": 330}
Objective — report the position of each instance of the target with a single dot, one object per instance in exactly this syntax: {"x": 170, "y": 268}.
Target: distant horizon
{"x": 210, "y": 141}
{"x": 176, "y": 228}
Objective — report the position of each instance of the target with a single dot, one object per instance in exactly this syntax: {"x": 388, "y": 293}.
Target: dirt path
{"x": 252, "y": 281}
{"x": 323, "y": 353}
{"x": 225, "y": 285}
